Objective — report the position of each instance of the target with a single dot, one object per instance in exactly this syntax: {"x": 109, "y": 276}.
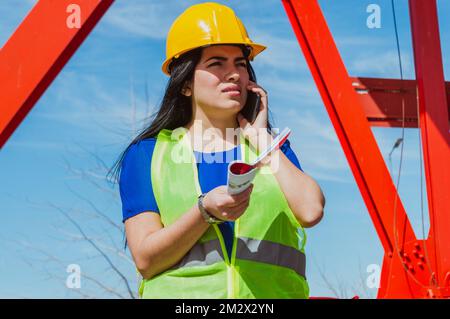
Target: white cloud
{"x": 150, "y": 19}
{"x": 315, "y": 142}
{"x": 358, "y": 41}
{"x": 321, "y": 175}
{"x": 109, "y": 113}
{"x": 292, "y": 90}
{"x": 381, "y": 64}
{"x": 282, "y": 54}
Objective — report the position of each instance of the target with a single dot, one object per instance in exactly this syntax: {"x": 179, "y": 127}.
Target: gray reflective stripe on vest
{"x": 202, "y": 255}
{"x": 262, "y": 251}
{"x": 268, "y": 252}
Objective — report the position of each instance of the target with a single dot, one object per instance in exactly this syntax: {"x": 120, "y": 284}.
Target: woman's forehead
{"x": 222, "y": 50}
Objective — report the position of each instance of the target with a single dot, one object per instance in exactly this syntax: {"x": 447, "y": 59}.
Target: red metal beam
{"x": 36, "y": 52}
{"x": 382, "y": 100}
{"x": 434, "y": 127}
{"x": 402, "y": 275}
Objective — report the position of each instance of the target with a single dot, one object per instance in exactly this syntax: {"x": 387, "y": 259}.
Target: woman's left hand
{"x": 256, "y": 132}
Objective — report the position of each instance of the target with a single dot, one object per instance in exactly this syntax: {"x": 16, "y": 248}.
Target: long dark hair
{"x": 175, "y": 109}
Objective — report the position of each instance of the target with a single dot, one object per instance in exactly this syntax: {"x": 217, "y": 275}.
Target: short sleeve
{"x": 135, "y": 185}
{"x": 287, "y": 150}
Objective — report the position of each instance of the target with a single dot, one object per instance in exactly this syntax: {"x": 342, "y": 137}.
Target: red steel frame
{"x": 411, "y": 268}
{"x": 35, "y": 54}
{"x": 434, "y": 119}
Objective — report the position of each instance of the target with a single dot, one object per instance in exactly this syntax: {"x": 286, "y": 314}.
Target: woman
{"x": 188, "y": 237}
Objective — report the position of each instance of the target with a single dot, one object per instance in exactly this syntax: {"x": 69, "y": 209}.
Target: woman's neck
{"x": 213, "y": 134}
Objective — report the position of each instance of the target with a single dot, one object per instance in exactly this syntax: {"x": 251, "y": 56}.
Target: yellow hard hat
{"x": 206, "y": 24}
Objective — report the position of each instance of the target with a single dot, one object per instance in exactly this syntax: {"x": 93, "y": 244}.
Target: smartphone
{"x": 251, "y": 107}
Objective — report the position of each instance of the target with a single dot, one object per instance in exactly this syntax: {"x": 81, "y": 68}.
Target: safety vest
{"x": 267, "y": 259}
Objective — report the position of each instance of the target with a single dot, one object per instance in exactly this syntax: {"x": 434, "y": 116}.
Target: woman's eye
{"x": 218, "y": 63}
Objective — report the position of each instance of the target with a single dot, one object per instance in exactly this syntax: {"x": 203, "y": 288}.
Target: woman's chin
{"x": 231, "y": 106}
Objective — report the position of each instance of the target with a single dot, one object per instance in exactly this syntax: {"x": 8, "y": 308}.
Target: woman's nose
{"x": 232, "y": 74}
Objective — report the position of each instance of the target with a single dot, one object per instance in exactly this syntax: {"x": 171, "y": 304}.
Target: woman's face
{"x": 220, "y": 80}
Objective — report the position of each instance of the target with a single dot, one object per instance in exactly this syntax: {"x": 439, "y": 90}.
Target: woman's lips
{"x": 233, "y": 93}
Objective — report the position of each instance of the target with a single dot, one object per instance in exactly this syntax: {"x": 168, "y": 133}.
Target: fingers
{"x": 240, "y": 208}
{"x": 257, "y": 89}
{"x": 241, "y": 197}
{"x": 244, "y": 193}
{"x": 235, "y": 212}
{"x": 237, "y": 208}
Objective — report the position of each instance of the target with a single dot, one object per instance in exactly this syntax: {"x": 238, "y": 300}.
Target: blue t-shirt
{"x": 135, "y": 185}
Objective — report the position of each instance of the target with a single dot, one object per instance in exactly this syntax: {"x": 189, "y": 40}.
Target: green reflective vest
{"x": 267, "y": 260}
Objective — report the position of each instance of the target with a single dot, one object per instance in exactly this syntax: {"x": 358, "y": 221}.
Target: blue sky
{"x": 103, "y": 95}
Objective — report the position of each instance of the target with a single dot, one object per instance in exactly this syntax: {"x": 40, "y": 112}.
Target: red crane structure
{"x": 412, "y": 268}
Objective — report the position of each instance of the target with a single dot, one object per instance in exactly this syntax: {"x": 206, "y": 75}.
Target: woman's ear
{"x": 186, "y": 90}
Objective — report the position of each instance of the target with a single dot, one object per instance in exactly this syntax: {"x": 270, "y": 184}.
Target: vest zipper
{"x": 234, "y": 289}
{"x": 231, "y": 271}
{"x": 230, "y": 286}
{"x": 222, "y": 243}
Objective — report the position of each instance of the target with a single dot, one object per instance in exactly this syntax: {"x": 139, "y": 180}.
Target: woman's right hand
{"x": 225, "y": 206}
